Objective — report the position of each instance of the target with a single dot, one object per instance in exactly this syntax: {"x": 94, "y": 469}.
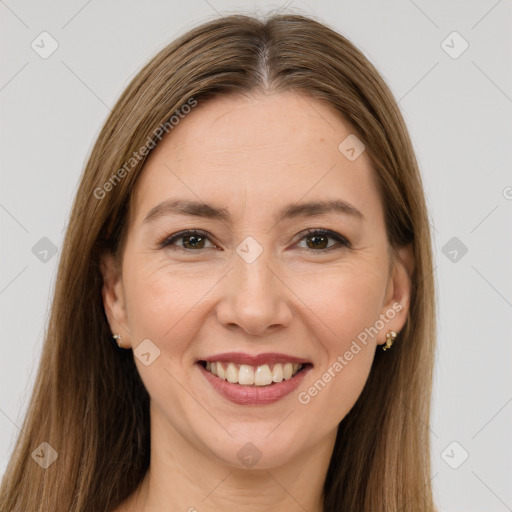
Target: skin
{"x": 253, "y": 157}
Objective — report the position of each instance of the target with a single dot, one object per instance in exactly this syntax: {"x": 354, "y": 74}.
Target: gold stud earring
{"x": 117, "y": 337}
{"x": 390, "y": 338}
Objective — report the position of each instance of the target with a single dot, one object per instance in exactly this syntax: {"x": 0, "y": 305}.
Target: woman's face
{"x": 252, "y": 288}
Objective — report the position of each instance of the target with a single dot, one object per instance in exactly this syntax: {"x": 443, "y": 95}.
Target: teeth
{"x": 221, "y": 373}
{"x": 247, "y": 375}
{"x": 277, "y": 373}
{"x": 263, "y": 376}
{"x": 231, "y": 373}
{"x": 287, "y": 371}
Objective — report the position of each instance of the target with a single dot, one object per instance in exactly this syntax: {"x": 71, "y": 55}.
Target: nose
{"x": 255, "y": 298}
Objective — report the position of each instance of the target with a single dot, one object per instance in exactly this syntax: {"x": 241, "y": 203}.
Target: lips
{"x": 254, "y": 360}
{"x": 247, "y": 379}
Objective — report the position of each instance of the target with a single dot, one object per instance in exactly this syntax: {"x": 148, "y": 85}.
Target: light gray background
{"x": 458, "y": 111}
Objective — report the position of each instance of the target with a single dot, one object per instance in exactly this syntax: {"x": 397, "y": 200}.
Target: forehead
{"x": 261, "y": 151}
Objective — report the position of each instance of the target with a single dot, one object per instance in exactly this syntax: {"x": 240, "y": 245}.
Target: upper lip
{"x": 254, "y": 360}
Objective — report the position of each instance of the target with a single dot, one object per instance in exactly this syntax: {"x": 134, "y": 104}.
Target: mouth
{"x": 253, "y": 380}
{"x": 258, "y": 376}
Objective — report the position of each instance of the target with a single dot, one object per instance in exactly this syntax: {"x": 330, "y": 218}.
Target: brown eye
{"x": 191, "y": 240}
{"x": 318, "y": 240}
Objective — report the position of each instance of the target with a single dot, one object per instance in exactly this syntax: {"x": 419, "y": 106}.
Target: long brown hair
{"x": 89, "y": 403}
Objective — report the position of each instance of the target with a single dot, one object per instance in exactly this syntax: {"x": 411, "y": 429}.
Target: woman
{"x": 251, "y": 230}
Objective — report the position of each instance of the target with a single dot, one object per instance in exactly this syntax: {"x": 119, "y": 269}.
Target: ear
{"x": 114, "y": 298}
{"x": 398, "y": 293}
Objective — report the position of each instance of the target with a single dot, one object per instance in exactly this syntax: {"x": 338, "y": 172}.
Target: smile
{"x": 247, "y": 375}
{"x": 246, "y": 379}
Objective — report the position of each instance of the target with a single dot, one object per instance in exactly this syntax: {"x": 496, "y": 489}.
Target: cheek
{"x": 348, "y": 311}
{"x": 342, "y": 302}
{"x": 161, "y": 299}
{"x": 349, "y": 305}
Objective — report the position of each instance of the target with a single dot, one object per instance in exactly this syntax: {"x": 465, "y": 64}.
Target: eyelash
{"x": 342, "y": 241}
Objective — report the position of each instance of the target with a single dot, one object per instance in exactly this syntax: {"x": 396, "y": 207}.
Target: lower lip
{"x": 254, "y": 395}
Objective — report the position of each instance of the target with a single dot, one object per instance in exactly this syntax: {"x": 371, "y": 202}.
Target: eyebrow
{"x": 199, "y": 209}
